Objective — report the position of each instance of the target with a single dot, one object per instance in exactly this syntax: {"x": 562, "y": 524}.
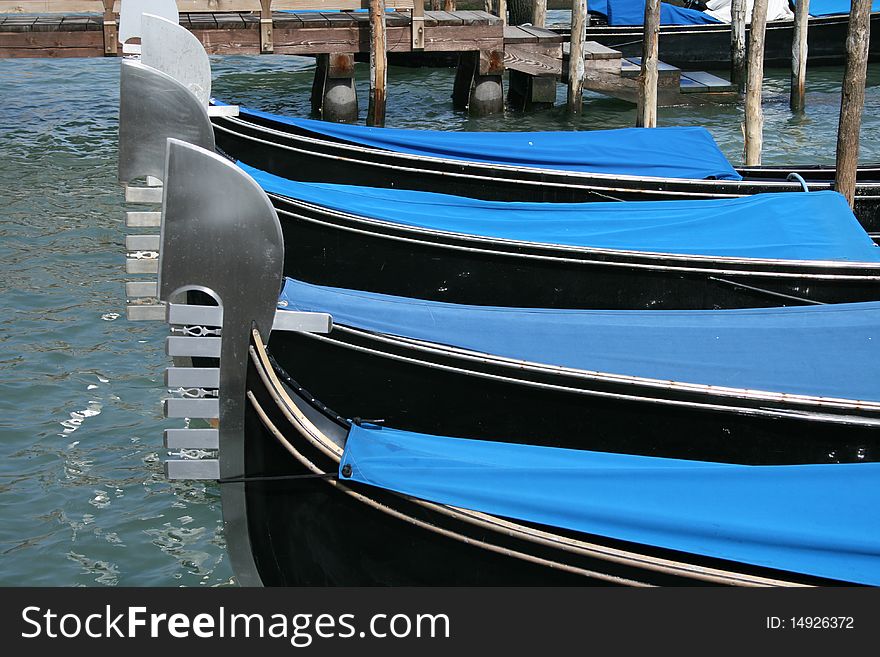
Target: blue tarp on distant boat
{"x": 835, "y": 7}
{"x": 688, "y": 152}
{"x": 818, "y": 520}
{"x": 632, "y": 12}
{"x": 829, "y": 351}
{"x": 794, "y": 226}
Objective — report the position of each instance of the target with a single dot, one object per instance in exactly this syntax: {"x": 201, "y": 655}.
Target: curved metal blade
{"x": 154, "y": 107}
{"x": 172, "y": 49}
{"x": 130, "y": 12}
{"x": 221, "y": 235}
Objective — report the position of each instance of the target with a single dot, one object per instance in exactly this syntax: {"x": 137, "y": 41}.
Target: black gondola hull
{"x": 281, "y": 150}
{"x": 708, "y": 46}
{"x": 340, "y": 250}
{"x": 307, "y": 530}
{"x": 436, "y": 391}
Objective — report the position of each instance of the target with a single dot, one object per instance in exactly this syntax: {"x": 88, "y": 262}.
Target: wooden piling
{"x": 378, "y": 64}
{"x": 738, "y": 44}
{"x": 575, "y": 98}
{"x": 502, "y": 11}
{"x": 448, "y": 5}
{"x": 646, "y": 115}
{"x": 539, "y": 13}
{"x": 754, "y": 119}
{"x": 852, "y": 98}
{"x": 799, "y": 56}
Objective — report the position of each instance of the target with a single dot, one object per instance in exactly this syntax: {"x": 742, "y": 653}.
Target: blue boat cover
{"x": 688, "y": 152}
{"x": 831, "y": 350}
{"x": 793, "y": 226}
{"x": 598, "y": 7}
{"x": 818, "y": 520}
{"x": 835, "y": 7}
{"x": 632, "y": 12}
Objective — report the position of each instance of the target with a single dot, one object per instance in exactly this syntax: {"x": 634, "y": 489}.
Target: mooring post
{"x": 754, "y": 120}
{"x": 646, "y": 115}
{"x": 502, "y": 11}
{"x": 378, "y": 64}
{"x": 448, "y": 5}
{"x": 799, "y": 56}
{"x": 852, "y": 98}
{"x": 539, "y": 13}
{"x": 738, "y": 44}
{"x": 575, "y": 98}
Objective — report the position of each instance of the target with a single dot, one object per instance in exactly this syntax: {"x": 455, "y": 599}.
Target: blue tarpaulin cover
{"x": 834, "y": 7}
{"x": 813, "y": 519}
{"x": 632, "y": 12}
{"x": 688, "y": 152}
{"x": 831, "y": 350}
{"x": 794, "y": 226}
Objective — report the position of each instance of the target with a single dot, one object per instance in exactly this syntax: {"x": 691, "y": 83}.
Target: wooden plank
{"x": 314, "y": 20}
{"x": 532, "y": 63}
{"x": 544, "y": 36}
{"x": 594, "y": 50}
{"x": 446, "y": 18}
{"x": 515, "y": 34}
{"x": 711, "y": 82}
{"x": 491, "y": 62}
{"x": 689, "y": 86}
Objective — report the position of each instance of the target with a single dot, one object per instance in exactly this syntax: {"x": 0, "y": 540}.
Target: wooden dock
{"x": 535, "y": 58}
{"x": 239, "y": 33}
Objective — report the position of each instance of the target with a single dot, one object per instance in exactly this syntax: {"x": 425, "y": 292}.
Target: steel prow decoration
{"x": 220, "y": 236}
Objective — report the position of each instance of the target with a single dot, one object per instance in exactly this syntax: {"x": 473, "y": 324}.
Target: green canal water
{"x": 83, "y": 501}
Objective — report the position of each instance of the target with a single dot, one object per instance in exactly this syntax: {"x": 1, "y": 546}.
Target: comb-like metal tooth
{"x": 194, "y": 347}
{"x": 192, "y": 377}
{"x": 138, "y": 219}
{"x": 142, "y": 312}
{"x": 143, "y": 194}
{"x": 197, "y": 408}
{"x": 222, "y": 110}
{"x": 142, "y": 266}
{"x": 140, "y": 289}
{"x": 192, "y": 438}
{"x": 292, "y": 320}
{"x": 192, "y": 469}
{"x": 179, "y": 313}
{"x": 142, "y": 242}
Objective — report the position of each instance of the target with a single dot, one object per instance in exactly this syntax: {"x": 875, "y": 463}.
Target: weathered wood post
{"x": 852, "y": 98}
{"x": 448, "y": 5}
{"x": 378, "y": 64}
{"x": 502, "y": 11}
{"x": 111, "y": 36}
{"x": 754, "y": 119}
{"x": 539, "y": 13}
{"x": 799, "y": 56}
{"x": 646, "y": 115}
{"x": 575, "y": 98}
{"x": 738, "y": 44}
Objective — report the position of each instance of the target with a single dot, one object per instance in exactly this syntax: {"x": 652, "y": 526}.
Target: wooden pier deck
{"x": 296, "y": 33}
{"x": 535, "y": 58}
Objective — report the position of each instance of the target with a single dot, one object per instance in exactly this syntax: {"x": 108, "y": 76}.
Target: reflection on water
{"x": 84, "y": 499}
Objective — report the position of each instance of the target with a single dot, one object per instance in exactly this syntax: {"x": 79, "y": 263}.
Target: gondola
{"x": 763, "y": 250}
{"x": 520, "y": 166}
{"x": 707, "y": 44}
{"x": 319, "y": 496}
